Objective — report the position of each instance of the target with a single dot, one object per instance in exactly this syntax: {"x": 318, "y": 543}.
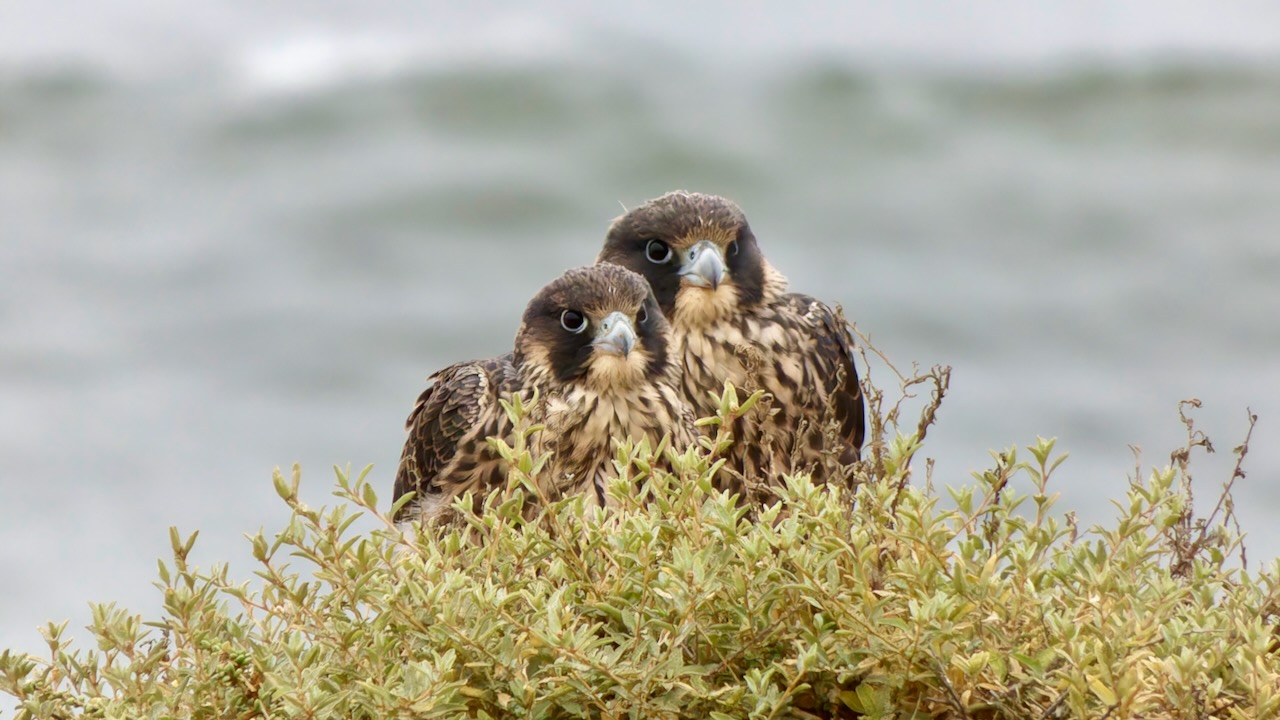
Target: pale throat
{"x": 698, "y": 308}
{"x": 614, "y": 374}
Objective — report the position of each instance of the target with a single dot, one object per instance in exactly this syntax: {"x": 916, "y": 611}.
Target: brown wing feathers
{"x": 834, "y": 354}
{"x": 444, "y": 444}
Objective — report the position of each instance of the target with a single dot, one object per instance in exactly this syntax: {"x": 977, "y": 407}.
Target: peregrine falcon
{"x": 732, "y": 319}
{"x": 595, "y": 346}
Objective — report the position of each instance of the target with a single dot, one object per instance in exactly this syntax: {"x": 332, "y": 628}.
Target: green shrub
{"x": 877, "y": 603}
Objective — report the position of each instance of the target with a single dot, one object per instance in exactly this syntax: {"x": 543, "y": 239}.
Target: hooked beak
{"x": 704, "y": 265}
{"x": 616, "y": 335}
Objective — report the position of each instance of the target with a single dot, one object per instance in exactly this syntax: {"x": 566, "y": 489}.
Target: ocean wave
{"x": 311, "y": 61}
{"x": 300, "y": 60}
{"x": 297, "y": 47}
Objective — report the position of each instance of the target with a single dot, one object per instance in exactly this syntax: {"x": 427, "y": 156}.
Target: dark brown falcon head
{"x": 598, "y": 325}
{"x": 698, "y": 254}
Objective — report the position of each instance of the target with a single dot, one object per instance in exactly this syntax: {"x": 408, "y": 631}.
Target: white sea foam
{"x": 296, "y": 46}
{"x": 311, "y": 60}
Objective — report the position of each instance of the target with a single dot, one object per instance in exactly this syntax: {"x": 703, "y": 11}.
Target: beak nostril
{"x": 705, "y": 266}
{"x": 615, "y": 335}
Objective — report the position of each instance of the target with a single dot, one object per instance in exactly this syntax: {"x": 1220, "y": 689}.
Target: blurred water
{"x": 233, "y": 238}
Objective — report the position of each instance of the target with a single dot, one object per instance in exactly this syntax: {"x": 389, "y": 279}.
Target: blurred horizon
{"x": 235, "y": 237}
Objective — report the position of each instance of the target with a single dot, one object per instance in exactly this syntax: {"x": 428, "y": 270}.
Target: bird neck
{"x": 775, "y": 285}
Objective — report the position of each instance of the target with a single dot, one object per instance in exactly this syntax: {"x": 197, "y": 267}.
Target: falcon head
{"x": 598, "y": 325}
{"x": 698, "y": 254}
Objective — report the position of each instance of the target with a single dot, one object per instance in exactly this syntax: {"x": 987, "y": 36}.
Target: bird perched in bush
{"x": 733, "y": 319}
{"x": 594, "y": 345}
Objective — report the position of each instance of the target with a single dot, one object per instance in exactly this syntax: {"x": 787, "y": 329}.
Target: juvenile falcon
{"x": 595, "y": 345}
{"x": 733, "y": 319}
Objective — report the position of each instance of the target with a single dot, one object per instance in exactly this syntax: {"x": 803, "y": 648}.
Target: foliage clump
{"x": 877, "y": 602}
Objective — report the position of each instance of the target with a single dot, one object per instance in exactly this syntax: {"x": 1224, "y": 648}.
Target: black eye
{"x": 657, "y": 252}
{"x": 573, "y": 321}
{"x": 642, "y": 315}
{"x": 733, "y": 248}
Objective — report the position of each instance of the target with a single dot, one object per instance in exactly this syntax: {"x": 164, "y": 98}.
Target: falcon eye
{"x": 642, "y": 315}
{"x": 733, "y": 248}
{"x": 657, "y": 252}
{"x": 573, "y": 321}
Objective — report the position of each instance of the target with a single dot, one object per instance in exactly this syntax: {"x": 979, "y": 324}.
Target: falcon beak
{"x": 616, "y": 335}
{"x": 704, "y": 265}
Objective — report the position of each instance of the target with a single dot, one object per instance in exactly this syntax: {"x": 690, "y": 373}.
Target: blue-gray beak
{"x": 616, "y": 335}
{"x": 703, "y": 265}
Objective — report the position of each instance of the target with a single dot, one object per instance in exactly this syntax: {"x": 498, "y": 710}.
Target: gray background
{"x": 233, "y": 237}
